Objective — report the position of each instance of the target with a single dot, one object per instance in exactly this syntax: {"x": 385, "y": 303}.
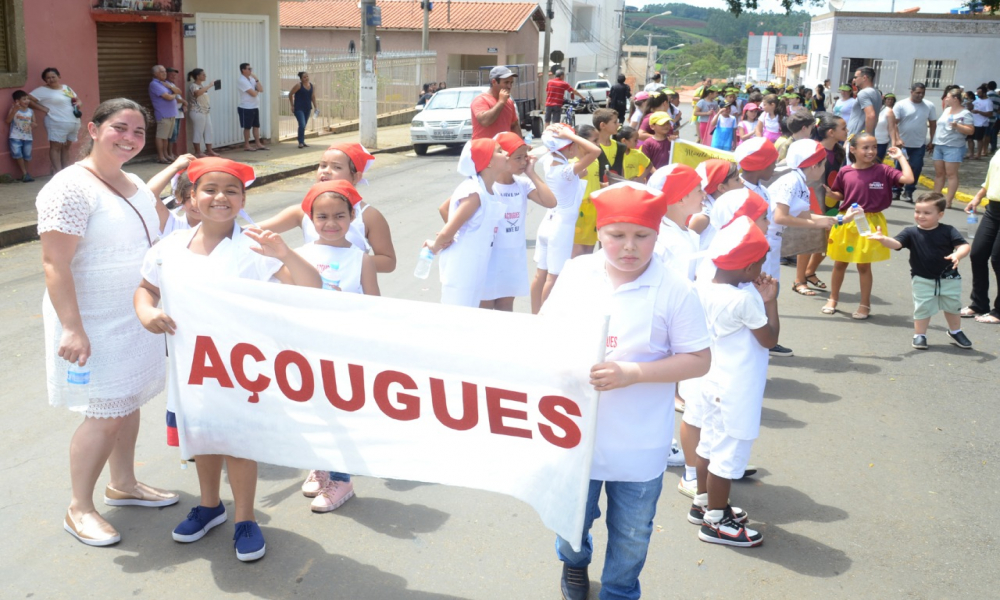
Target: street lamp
{"x": 651, "y": 61}
{"x": 621, "y": 51}
{"x": 634, "y": 31}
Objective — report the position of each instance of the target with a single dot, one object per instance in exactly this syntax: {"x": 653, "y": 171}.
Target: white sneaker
{"x": 676, "y": 457}
{"x": 314, "y": 483}
{"x": 688, "y": 487}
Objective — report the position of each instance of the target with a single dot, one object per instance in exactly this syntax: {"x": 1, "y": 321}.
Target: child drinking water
{"x": 369, "y": 229}
{"x": 219, "y": 195}
{"x": 868, "y": 184}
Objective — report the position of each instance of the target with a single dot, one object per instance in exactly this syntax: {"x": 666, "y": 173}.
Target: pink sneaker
{"x": 314, "y": 483}
{"x": 333, "y": 494}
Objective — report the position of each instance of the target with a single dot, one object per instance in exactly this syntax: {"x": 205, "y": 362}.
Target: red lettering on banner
{"x": 281, "y": 363}
{"x": 547, "y": 407}
{"x": 356, "y": 374}
{"x": 207, "y": 364}
{"x": 497, "y": 413}
{"x": 411, "y": 403}
{"x": 236, "y": 358}
{"x": 470, "y": 405}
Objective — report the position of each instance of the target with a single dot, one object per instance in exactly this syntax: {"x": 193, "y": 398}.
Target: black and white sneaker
{"x": 920, "y": 342}
{"x": 959, "y": 339}
{"x": 696, "y": 516}
{"x": 781, "y": 351}
{"x": 720, "y": 527}
{"x": 907, "y": 198}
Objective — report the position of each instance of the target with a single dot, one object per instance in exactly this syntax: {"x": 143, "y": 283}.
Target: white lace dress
{"x": 127, "y": 362}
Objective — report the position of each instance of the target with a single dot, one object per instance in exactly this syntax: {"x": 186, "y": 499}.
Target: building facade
{"x": 762, "y": 50}
{"x": 935, "y": 49}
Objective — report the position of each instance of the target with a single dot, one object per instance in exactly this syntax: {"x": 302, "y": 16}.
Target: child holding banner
{"x": 219, "y": 248}
{"x": 466, "y": 240}
{"x": 554, "y": 240}
{"x": 369, "y": 229}
{"x": 656, "y": 337}
{"x": 741, "y": 309}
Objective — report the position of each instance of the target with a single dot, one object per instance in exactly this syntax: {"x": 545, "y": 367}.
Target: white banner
{"x": 381, "y": 387}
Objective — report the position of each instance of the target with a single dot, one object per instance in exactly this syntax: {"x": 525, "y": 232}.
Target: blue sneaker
{"x": 199, "y": 521}
{"x": 249, "y": 541}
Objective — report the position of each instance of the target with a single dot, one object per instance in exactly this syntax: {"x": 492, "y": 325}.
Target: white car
{"x": 598, "y": 88}
{"x": 446, "y": 119}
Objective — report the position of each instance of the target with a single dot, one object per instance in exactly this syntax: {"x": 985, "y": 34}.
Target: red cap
{"x": 476, "y": 156}
{"x": 713, "y": 172}
{"x": 756, "y": 154}
{"x": 212, "y": 164}
{"x": 804, "y": 153}
{"x": 738, "y": 246}
{"x": 629, "y": 202}
{"x": 361, "y": 158}
{"x": 737, "y": 203}
{"x": 509, "y": 141}
{"x": 344, "y": 188}
{"x": 674, "y": 181}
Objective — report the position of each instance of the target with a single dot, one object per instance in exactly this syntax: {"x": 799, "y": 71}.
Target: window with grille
{"x": 935, "y": 74}
{"x": 5, "y": 38}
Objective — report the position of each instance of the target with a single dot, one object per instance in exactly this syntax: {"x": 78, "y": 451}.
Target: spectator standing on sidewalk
{"x": 954, "y": 124}
{"x": 21, "y": 119}
{"x": 201, "y": 106}
{"x": 909, "y": 121}
{"x": 982, "y": 113}
{"x": 62, "y": 109}
{"x": 555, "y": 93}
{"x": 995, "y": 120}
{"x": 164, "y": 97}
{"x": 864, "y": 115}
{"x": 493, "y": 111}
{"x": 303, "y": 99}
{"x": 249, "y": 107}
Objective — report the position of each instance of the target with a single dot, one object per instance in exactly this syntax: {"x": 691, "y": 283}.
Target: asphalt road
{"x": 879, "y": 466}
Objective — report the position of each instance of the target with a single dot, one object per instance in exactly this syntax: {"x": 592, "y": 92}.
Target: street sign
{"x": 557, "y": 56}
{"x": 492, "y": 50}
{"x": 189, "y": 30}
{"x": 373, "y": 16}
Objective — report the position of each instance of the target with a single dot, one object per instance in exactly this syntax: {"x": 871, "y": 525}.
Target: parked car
{"x": 446, "y": 119}
{"x": 598, "y": 88}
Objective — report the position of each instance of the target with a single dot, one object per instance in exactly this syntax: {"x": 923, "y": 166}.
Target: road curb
{"x": 28, "y": 232}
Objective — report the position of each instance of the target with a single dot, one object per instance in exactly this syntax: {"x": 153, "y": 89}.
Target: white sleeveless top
{"x": 355, "y": 234}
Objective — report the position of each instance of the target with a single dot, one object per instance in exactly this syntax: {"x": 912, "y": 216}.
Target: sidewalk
{"x": 18, "y": 219}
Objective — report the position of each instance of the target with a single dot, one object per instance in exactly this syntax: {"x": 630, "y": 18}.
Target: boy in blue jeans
{"x": 21, "y": 120}
{"x": 656, "y": 337}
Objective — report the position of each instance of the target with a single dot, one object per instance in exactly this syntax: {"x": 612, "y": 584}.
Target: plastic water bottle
{"x": 971, "y": 224}
{"x": 860, "y": 221}
{"x": 77, "y": 392}
{"x": 528, "y": 139}
{"x": 424, "y": 263}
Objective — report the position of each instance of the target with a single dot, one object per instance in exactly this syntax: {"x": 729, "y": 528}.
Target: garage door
{"x": 126, "y": 53}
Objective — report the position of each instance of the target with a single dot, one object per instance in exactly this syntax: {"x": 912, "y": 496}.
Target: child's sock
{"x": 690, "y": 473}
{"x": 956, "y": 332}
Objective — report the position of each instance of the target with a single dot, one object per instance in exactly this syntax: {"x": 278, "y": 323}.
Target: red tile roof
{"x": 406, "y": 14}
{"x": 783, "y": 61}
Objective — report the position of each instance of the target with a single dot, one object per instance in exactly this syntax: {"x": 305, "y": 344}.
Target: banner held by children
{"x": 387, "y": 388}
{"x": 693, "y": 154}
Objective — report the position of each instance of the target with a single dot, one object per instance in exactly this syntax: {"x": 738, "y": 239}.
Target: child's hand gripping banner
{"x": 315, "y": 379}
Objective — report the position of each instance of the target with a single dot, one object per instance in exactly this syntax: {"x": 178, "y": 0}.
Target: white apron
{"x": 464, "y": 263}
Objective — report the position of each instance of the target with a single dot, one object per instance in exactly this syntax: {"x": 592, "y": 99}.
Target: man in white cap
{"x": 493, "y": 112}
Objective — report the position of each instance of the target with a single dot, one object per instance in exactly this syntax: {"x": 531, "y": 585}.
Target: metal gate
{"x": 225, "y": 41}
{"x": 885, "y": 75}
{"x": 126, "y": 53}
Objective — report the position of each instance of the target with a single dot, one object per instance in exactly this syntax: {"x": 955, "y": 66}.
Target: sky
{"x": 926, "y": 6}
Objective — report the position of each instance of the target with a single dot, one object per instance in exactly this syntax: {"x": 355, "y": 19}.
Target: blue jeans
{"x": 915, "y": 156}
{"x": 631, "y": 508}
{"x": 335, "y": 476}
{"x": 302, "y": 116}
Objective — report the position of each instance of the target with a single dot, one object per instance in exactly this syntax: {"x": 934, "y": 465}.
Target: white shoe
{"x": 676, "y": 457}
{"x": 688, "y": 487}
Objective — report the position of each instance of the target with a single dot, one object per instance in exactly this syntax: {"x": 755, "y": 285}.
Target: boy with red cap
{"x": 741, "y": 311}
{"x": 757, "y": 158}
{"x": 656, "y": 337}
{"x": 218, "y": 248}
{"x": 683, "y": 195}
{"x": 466, "y": 240}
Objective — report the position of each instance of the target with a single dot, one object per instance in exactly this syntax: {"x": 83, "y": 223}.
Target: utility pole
{"x": 650, "y": 62}
{"x": 368, "y": 98}
{"x": 621, "y": 43}
{"x": 547, "y": 46}
{"x": 425, "y": 38}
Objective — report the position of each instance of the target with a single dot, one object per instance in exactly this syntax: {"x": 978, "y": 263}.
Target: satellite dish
{"x": 835, "y": 5}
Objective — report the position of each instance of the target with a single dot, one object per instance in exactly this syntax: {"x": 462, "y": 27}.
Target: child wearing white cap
{"x": 554, "y": 240}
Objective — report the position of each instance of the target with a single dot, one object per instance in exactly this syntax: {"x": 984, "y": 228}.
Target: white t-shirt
{"x": 246, "y": 100}
{"x": 514, "y": 197}
{"x": 565, "y": 185}
{"x": 675, "y": 247}
{"x": 58, "y": 102}
{"x": 337, "y": 266}
{"x": 882, "y": 127}
{"x": 739, "y": 363}
{"x": 912, "y": 119}
{"x": 20, "y": 125}
{"x": 653, "y": 317}
{"x": 844, "y": 108}
{"x": 985, "y": 105}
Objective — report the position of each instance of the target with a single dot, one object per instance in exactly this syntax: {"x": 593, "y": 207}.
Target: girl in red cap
{"x": 466, "y": 240}
{"x": 369, "y": 230}
{"x": 507, "y": 274}
{"x": 741, "y": 310}
{"x": 656, "y": 337}
{"x": 219, "y": 248}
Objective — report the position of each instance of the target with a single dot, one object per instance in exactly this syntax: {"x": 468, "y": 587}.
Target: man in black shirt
{"x": 618, "y": 97}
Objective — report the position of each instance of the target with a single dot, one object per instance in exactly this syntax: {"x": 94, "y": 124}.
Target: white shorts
{"x": 554, "y": 244}
{"x": 507, "y": 274}
{"x": 728, "y": 457}
{"x": 695, "y": 404}
{"x": 61, "y": 132}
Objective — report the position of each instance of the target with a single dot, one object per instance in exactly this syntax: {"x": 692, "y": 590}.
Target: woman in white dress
{"x": 96, "y": 223}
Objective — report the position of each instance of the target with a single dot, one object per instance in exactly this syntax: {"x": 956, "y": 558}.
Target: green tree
{"x": 738, "y": 6}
